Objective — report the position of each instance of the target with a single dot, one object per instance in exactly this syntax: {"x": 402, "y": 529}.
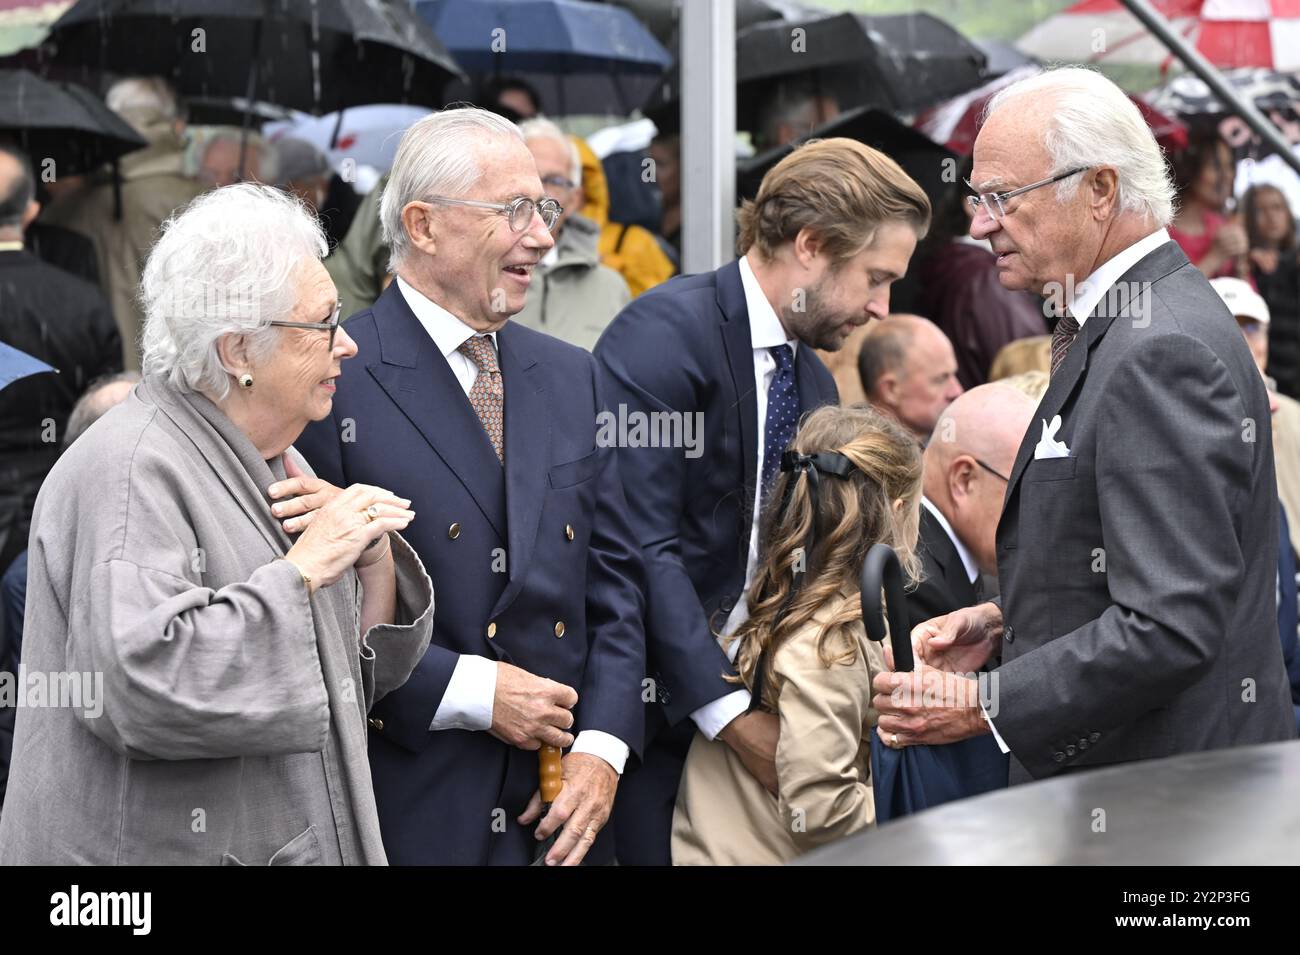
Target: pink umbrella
{"x": 956, "y": 122}
{"x": 1228, "y": 33}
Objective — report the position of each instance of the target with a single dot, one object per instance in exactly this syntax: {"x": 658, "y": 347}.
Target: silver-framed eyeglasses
{"x": 518, "y": 211}
{"x": 994, "y": 203}
{"x": 332, "y": 325}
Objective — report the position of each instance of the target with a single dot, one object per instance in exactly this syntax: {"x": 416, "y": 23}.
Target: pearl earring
{"x": 246, "y": 380}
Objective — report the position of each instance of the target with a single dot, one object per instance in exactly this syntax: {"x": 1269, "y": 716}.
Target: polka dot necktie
{"x": 487, "y": 394}
{"x": 1066, "y": 330}
{"x": 782, "y": 413}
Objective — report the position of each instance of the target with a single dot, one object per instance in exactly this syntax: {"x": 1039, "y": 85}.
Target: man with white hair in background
{"x": 226, "y": 155}
{"x": 153, "y": 186}
{"x": 572, "y": 296}
{"x": 1138, "y": 542}
{"x": 491, "y": 430}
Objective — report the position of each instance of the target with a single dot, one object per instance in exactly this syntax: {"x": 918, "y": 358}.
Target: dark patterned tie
{"x": 487, "y": 394}
{"x": 1066, "y": 330}
{"x": 782, "y": 414}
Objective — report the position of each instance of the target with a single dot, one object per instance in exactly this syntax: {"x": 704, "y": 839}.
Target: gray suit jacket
{"x": 1138, "y": 574}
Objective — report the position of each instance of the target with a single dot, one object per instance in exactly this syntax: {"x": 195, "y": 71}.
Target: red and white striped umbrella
{"x": 1228, "y": 33}
{"x": 956, "y": 123}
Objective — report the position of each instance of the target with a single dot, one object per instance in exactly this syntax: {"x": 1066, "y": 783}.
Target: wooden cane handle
{"x": 549, "y": 771}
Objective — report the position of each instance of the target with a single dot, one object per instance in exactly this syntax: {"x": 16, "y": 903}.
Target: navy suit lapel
{"x": 739, "y": 347}
{"x": 418, "y": 379}
{"x": 527, "y": 440}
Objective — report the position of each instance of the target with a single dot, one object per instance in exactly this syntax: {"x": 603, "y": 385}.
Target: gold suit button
{"x": 376, "y": 724}
{"x": 492, "y": 629}
{"x": 568, "y": 531}
{"x": 454, "y": 531}
{"x": 559, "y": 628}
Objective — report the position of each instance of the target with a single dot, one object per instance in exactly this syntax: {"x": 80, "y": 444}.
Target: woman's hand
{"x": 340, "y": 531}
{"x": 298, "y": 497}
{"x": 1231, "y": 240}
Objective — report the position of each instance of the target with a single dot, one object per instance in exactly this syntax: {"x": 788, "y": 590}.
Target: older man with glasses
{"x": 1137, "y": 545}
{"x": 490, "y": 428}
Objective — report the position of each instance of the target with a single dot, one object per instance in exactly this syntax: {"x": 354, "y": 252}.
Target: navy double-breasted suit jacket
{"x": 533, "y": 563}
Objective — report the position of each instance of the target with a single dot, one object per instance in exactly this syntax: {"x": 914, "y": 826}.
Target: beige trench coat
{"x": 724, "y": 816}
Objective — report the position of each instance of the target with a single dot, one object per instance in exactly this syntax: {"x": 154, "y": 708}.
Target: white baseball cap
{"x": 1242, "y": 300}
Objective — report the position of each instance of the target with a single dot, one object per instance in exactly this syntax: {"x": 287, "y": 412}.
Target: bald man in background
{"x": 966, "y": 466}
{"x": 909, "y": 372}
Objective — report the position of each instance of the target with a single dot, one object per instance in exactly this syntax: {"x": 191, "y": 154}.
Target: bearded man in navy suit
{"x": 832, "y": 227}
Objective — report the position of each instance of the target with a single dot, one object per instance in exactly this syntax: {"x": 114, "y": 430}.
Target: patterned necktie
{"x": 487, "y": 394}
{"x": 1066, "y": 330}
{"x": 782, "y": 414}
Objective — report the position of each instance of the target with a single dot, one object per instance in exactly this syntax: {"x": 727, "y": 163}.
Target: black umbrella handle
{"x": 881, "y": 571}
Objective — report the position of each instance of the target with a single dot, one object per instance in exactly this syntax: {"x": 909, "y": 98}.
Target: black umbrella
{"x": 218, "y": 111}
{"x": 908, "y": 780}
{"x": 314, "y": 55}
{"x": 901, "y": 62}
{"x": 661, "y": 17}
{"x": 61, "y": 122}
{"x": 930, "y": 164}
{"x": 1002, "y": 57}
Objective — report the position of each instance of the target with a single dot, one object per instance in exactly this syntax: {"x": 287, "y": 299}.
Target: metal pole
{"x": 708, "y": 163}
{"x": 1192, "y": 59}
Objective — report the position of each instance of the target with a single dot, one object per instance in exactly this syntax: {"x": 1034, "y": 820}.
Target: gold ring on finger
{"x": 893, "y": 740}
{"x": 371, "y": 512}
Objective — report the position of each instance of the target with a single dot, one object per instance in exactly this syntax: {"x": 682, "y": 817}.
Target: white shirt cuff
{"x": 605, "y": 745}
{"x": 711, "y": 718}
{"x": 471, "y": 691}
{"x": 1001, "y": 745}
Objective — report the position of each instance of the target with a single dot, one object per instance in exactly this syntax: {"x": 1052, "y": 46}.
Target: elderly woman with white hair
{"x": 218, "y": 621}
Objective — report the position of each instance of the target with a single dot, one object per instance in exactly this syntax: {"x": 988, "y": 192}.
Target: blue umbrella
{"x": 917, "y": 777}
{"x": 581, "y": 57}
{"x": 15, "y": 364}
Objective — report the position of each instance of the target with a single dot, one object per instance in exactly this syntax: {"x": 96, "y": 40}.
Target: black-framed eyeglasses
{"x": 332, "y": 324}
{"x": 994, "y": 203}
{"x": 518, "y": 211}
{"x": 991, "y": 470}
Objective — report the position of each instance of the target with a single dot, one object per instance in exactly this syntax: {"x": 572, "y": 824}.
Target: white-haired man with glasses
{"x": 1137, "y": 547}
{"x": 575, "y": 296}
{"x": 491, "y": 430}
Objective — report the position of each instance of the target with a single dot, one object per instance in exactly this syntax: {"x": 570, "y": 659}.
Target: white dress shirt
{"x": 1090, "y": 292}
{"x": 471, "y": 692}
{"x": 1087, "y": 295}
{"x": 765, "y": 331}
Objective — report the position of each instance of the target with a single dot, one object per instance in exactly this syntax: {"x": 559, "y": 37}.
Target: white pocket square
{"x": 1048, "y": 446}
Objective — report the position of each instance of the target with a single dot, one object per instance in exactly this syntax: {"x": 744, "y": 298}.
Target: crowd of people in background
{"x": 959, "y": 348}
